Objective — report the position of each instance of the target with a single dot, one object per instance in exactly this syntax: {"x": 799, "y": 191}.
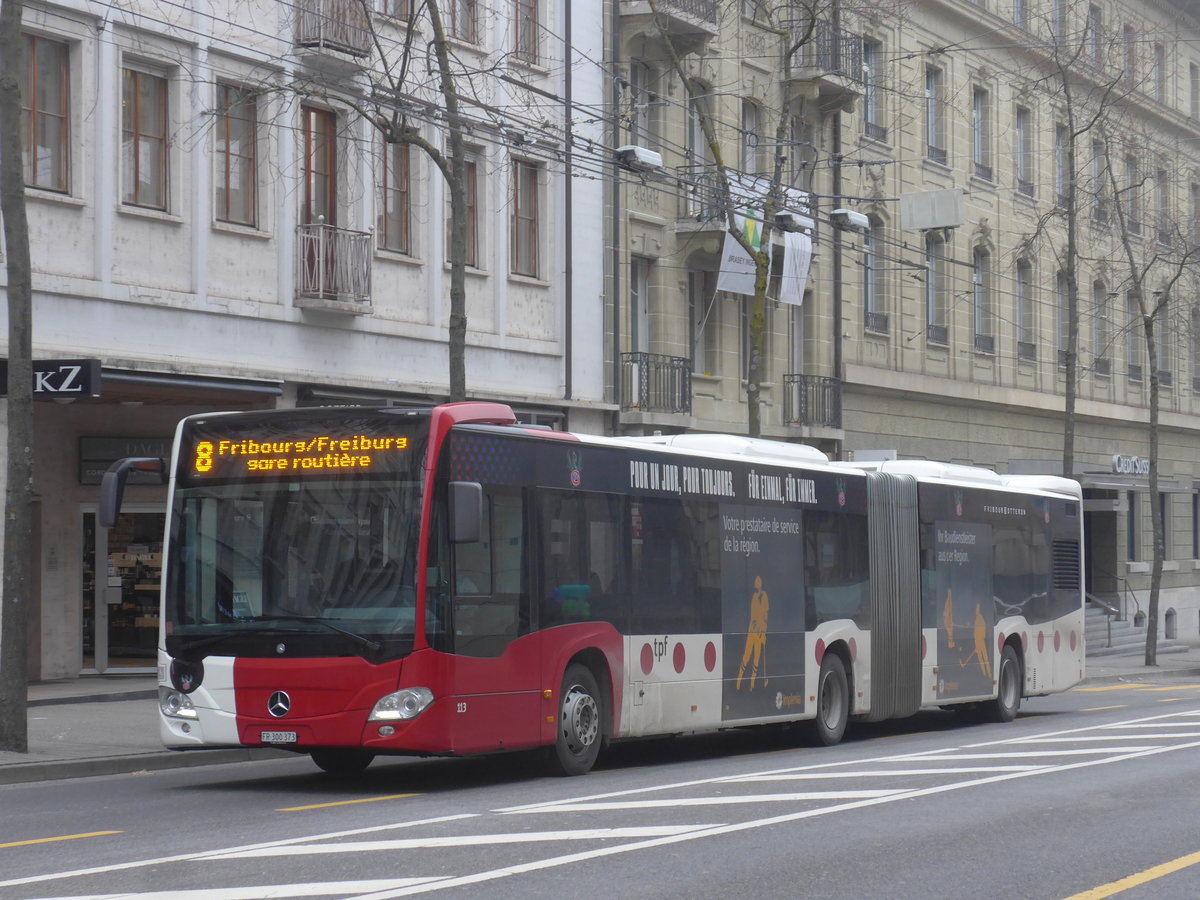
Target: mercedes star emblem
{"x": 279, "y": 704}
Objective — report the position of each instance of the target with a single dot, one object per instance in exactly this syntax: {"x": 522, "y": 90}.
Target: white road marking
{"x": 663, "y": 803}
{"x": 263, "y": 891}
{"x": 877, "y": 773}
{"x": 465, "y": 840}
{"x": 1112, "y": 737}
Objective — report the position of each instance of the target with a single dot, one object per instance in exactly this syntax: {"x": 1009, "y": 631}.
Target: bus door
{"x": 496, "y": 682}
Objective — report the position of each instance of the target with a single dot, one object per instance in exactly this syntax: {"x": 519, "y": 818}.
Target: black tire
{"x": 1008, "y": 688}
{"x": 342, "y": 762}
{"x": 580, "y": 729}
{"x": 833, "y": 702}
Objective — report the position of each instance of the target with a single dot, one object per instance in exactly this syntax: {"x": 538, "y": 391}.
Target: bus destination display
{"x": 215, "y": 454}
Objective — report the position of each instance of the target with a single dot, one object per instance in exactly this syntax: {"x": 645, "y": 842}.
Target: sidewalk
{"x": 108, "y": 724}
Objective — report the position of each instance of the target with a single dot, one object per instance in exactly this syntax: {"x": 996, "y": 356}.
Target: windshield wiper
{"x": 325, "y": 623}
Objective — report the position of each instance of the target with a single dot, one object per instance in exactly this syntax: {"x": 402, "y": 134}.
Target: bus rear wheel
{"x": 833, "y": 701}
{"x": 1008, "y": 692}
{"x": 342, "y": 762}
{"x": 578, "y": 738}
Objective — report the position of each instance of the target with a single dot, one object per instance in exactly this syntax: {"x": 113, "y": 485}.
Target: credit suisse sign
{"x": 1130, "y": 465}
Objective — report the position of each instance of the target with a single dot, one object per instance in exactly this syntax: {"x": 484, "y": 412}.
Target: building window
{"x": 1131, "y": 527}
{"x": 1061, "y": 148}
{"x": 1162, "y": 207}
{"x": 643, "y": 84}
{"x": 1026, "y": 313}
{"x": 525, "y": 17}
{"x": 937, "y": 330}
{"x": 1024, "y": 138}
{"x": 237, "y": 155}
{"x": 1164, "y": 523}
{"x": 143, "y": 139}
{"x": 1058, "y": 20}
{"x": 320, "y": 167}
{"x": 1133, "y": 337}
{"x": 1062, "y": 314}
{"x": 471, "y": 191}
{"x": 464, "y": 20}
{"x": 934, "y": 118}
{"x": 1194, "y": 91}
{"x": 1195, "y": 524}
{"x": 395, "y": 207}
{"x": 704, "y": 325}
{"x": 1195, "y": 347}
{"x": 745, "y": 328}
{"x": 873, "y": 126}
{"x": 1160, "y": 73}
{"x": 750, "y": 137}
{"x": 1132, "y": 192}
{"x": 1129, "y": 42}
{"x": 1101, "y": 364}
{"x": 981, "y": 133}
{"x": 45, "y": 126}
{"x": 1095, "y": 33}
{"x": 401, "y": 9}
{"x": 525, "y": 219}
{"x": 875, "y": 316}
{"x": 1020, "y": 13}
{"x": 981, "y": 301}
{"x": 1099, "y": 183}
{"x": 1166, "y": 342}
{"x": 639, "y": 304}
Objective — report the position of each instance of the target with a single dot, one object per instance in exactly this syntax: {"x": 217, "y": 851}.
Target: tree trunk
{"x": 18, "y": 501}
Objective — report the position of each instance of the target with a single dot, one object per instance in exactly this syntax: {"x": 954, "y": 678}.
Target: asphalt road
{"x": 1087, "y": 795}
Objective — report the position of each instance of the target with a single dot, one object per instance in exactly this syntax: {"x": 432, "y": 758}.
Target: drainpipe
{"x": 837, "y": 263}
{"x": 568, "y": 242}
{"x": 615, "y": 92}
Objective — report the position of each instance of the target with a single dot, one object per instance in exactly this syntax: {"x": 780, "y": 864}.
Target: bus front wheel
{"x": 342, "y": 762}
{"x": 577, "y": 742}
{"x": 1008, "y": 690}
{"x": 833, "y": 701}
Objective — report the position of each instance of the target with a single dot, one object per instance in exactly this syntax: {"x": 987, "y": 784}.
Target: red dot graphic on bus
{"x": 710, "y": 656}
{"x": 1025, "y": 641}
{"x": 820, "y": 651}
{"x": 679, "y": 657}
{"x": 1072, "y": 640}
{"x": 647, "y": 659}
{"x": 853, "y": 650}
{"x": 1057, "y": 641}
{"x": 924, "y": 647}
{"x": 1000, "y": 642}
{"x": 1041, "y": 641}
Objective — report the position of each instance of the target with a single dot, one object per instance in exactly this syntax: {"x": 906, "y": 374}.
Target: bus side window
{"x": 583, "y": 564}
{"x": 490, "y": 606}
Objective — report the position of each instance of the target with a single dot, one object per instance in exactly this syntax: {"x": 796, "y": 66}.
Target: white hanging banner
{"x": 737, "y": 267}
{"x": 797, "y": 256}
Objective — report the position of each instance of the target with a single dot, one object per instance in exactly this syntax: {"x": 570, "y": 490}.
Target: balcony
{"x": 701, "y": 196}
{"x": 690, "y": 23}
{"x": 652, "y": 382}
{"x": 812, "y": 401}
{"x": 338, "y": 29}
{"x": 1026, "y": 351}
{"x": 875, "y": 322}
{"x": 832, "y": 60}
{"x": 333, "y": 269}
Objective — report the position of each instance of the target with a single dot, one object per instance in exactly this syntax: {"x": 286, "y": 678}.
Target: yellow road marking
{"x": 346, "y": 802}
{"x": 1144, "y": 877}
{"x": 1175, "y": 699}
{"x": 1112, "y": 687}
{"x": 1102, "y": 708}
{"x": 65, "y": 837}
{"x": 1174, "y": 687}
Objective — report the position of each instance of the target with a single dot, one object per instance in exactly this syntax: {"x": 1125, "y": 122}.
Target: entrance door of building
{"x": 121, "y": 577}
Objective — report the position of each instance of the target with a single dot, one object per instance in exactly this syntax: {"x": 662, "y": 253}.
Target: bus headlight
{"x": 176, "y": 704}
{"x": 406, "y": 704}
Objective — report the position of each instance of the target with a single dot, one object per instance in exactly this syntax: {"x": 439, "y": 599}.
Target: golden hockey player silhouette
{"x": 756, "y": 634}
{"x": 981, "y": 645}
{"x": 948, "y": 618}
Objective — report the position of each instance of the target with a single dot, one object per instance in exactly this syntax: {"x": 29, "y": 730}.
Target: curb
{"x": 55, "y": 770}
{"x": 95, "y": 698}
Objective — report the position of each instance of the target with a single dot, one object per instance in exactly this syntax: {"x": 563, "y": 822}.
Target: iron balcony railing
{"x": 829, "y": 51}
{"x": 701, "y": 195}
{"x": 333, "y": 263}
{"x": 876, "y": 322}
{"x": 334, "y": 25}
{"x": 813, "y": 400}
{"x": 704, "y": 10}
{"x": 1027, "y": 351}
{"x": 653, "y": 382}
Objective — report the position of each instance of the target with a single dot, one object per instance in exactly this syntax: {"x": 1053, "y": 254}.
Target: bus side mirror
{"x": 466, "y": 511}
{"x": 112, "y": 485}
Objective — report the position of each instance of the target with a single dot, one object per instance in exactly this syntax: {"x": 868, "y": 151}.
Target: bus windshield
{"x": 298, "y": 561}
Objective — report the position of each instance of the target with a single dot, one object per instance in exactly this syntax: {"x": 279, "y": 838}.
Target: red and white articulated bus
{"x": 352, "y": 582}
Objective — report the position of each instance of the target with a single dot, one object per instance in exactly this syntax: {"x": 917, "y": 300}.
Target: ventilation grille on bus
{"x": 1066, "y": 565}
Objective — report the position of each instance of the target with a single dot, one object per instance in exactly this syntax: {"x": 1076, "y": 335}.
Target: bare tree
{"x": 18, "y": 502}
{"x": 793, "y": 26}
